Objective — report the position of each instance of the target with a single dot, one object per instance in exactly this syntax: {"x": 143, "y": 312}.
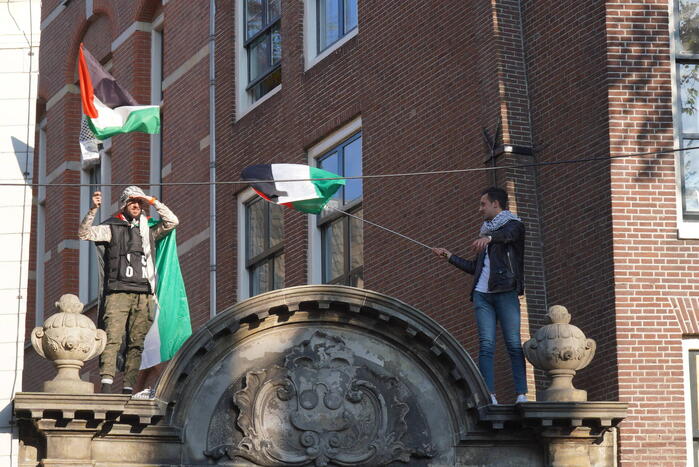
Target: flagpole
{"x": 379, "y": 226}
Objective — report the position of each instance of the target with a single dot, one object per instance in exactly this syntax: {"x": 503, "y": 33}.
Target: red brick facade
{"x": 567, "y": 79}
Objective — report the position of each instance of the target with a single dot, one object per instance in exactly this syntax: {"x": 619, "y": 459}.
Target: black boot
{"x": 106, "y": 388}
{"x": 127, "y": 391}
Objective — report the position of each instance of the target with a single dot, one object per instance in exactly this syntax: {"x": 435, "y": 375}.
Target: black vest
{"x": 125, "y": 263}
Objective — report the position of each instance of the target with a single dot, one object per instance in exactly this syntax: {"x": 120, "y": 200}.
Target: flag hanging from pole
{"x": 306, "y": 195}
{"x": 109, "y": 108}
{"x": 90, "y": 146}
{"x": 172, "y": 325}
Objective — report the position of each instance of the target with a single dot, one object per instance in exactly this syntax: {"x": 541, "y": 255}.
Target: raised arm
{"x": 94, "y": 233}
{"x": 168, "y": 220}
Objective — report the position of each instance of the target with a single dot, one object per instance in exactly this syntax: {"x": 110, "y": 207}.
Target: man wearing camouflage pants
{"x": 129, "y": 277}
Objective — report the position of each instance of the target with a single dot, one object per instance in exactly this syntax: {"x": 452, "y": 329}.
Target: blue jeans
{"x": 503, "y": 307}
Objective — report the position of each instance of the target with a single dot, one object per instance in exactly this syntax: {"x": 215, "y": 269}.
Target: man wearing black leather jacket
{"x": 498, "y": 271}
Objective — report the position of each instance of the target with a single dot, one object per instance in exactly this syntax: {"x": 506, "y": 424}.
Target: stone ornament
{"x": 322, "y": 407}
{"x": 561, "y": 349}
{"x": 68, "y": 339}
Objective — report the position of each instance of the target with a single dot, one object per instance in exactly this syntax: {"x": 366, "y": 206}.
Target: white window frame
{"x": 687, "y": 345}
{"x": 315, "y": 256}
{"x": 685, "y": 229}
{"x": 105, "y": 213}
{"x": 244, "y": 101}
{"x": 243, "y": 276}
{"x": 156, "y": 98}
{"x": 310, "y": 33}
{"x": 41, "y": 228}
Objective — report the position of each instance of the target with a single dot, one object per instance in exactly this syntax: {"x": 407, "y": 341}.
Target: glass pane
{"x": 275, "y": 9}
{"x": 353, "y": 167}
{"x": 276, "y": 227}
{"x": 253, "y": 17}
{"x": 270, "y": 82}
{"x": 279, "y": 272}
{"x": 333, "y": 250}
{"x": 331, "y": 163}
{"x": 350, "y": 15}
{"x": 259, "y": 57}
{"x": 689, "y": 92}
{"x": 356, "y": 240}
{"x": 260, "y": 278}
{"x": 92, "y": 271}
{"x": 690, "y": 176}
{"x": 276, "y": 44}
{"x": 256, "y": 228}
{"x": 328, "y": 23}
{"x": 689, "y": 26}
{"x": 95, "y": 176}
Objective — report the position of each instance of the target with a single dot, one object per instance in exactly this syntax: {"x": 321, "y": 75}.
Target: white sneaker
{"x": 147, "y": 393}
{"x": 493, "y": 400}
{"x": 521, "y": 398}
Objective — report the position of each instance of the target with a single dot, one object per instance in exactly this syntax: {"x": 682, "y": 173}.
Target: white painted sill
{"x": 688, "y": 230}
{"x": 318, "y": 58}
{"x": 259, "y": 102}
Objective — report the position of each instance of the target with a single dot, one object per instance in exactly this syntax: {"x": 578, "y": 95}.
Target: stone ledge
{"x": 98, "y": 407}
{"x": 599, "y": 415}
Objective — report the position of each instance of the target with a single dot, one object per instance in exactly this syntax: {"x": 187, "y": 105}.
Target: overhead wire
{"x": 366, "y": 177}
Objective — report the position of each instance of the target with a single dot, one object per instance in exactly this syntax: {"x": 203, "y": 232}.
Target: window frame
{"x": 245, "y": 102}
{"x": 246, "y": 264}
{"x": 41, "y": 227}
{"x": 268, "y": 26}
{"x": 342, "y": 7}
{"x": 351, "y": 207}
{"x": 156, "y": 98}
{"x": 335, "y": 137}
{"x": 103, "y": 214}
{"x": 312, "y": 53}
{"x": 689, "y": 345}
{"x": 687, "y": 224}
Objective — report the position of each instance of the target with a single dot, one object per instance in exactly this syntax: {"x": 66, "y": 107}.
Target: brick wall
{"x": 568, "y": 79}
{"x": 651, "y": 264}
{"x": 186, "y": 114}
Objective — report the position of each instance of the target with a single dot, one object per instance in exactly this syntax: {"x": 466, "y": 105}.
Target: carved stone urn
{"x": 68, "y": 339}
{"x": 560, "y": 349}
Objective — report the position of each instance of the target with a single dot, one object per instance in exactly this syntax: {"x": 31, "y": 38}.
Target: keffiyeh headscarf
{"x": 498, "y": 221}
{"x": 128, "y": 193}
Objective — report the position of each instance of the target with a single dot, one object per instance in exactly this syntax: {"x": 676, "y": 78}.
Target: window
{"x": 263, "y": 46}
{"x": 156, "y": 98}
{"x": 690, "y": 349}
{"x": 264, "y": 246}
{"x": 41, "y": 227}
{"x": 342, "y": 236}
{"x": 335, "y": 19}
{"x": 94, "y": 179}
{"x": 328, "y": 25}
{"x": 686, "y": 48}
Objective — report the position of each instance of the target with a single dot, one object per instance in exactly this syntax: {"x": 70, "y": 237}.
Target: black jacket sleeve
{"x": 508, "y": 233}
{"x": 463, "y": 264}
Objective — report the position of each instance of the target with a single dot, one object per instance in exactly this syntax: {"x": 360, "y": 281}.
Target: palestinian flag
{"x": 309, "y": 196}
{"x": 109, "y": 108}
{"x": 172, "y": 325}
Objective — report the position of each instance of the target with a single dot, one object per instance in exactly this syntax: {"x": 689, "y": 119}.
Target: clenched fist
{"x": 96, "y": 199}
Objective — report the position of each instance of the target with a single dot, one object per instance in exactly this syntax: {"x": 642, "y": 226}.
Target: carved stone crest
{"x": 321, "y": 407}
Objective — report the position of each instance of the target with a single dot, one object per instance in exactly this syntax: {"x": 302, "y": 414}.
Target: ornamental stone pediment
{"x": 315, "y": 376}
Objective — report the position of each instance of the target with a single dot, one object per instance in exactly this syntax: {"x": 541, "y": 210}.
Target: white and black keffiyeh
{"x": 498, "y": 221}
